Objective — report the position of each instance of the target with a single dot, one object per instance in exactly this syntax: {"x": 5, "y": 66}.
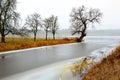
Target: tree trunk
{"x": 54, "y": 36}
{"x": 46, "y": 34}
{"x": 81, "y": 37}
{"x": 2, "y": 38}
{"x": 34, "y": 37}
{"x": 83, "y": 34}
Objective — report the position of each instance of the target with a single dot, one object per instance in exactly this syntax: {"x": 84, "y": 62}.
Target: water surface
{"x": 22, "y": 61}
{"x": 18, "y": 62}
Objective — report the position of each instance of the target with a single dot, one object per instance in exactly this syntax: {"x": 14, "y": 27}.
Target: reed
{"x": 108, "y": 69}
{"x": 23, "y": 43}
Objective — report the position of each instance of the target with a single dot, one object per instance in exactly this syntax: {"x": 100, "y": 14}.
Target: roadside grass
{"x": 108, "y": 69}
{"x": 23, "y": 43}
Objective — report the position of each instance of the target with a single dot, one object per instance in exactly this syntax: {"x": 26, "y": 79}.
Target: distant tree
{"x": 47, "y": 26}
{"x": 8, "y": 18}
{"x": 81, "y": 18}
{"x": 54, "y": 25}
{"x": 33, "y": 22}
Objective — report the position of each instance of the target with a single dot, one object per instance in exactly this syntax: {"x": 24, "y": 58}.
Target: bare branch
{"x": 8, "y": 17}
{"x": 33, "y": 22}
{"x": 81, "y": 18}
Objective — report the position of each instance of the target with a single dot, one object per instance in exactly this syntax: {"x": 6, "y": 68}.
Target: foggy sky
{"x": 62, "y": 9}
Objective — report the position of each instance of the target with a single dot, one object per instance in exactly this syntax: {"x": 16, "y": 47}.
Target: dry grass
{"x": 22, "y": 43}
{"x": 108, "y": 69}
{"x": 78, "y": 67}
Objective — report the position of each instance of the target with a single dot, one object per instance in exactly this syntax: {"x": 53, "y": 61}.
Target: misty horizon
{"x": 62, "y": 9}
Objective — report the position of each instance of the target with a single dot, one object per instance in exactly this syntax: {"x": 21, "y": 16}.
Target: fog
{"x": 62, "y": 9}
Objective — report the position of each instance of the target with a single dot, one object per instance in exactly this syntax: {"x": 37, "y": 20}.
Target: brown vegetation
{"x": 22, "y": 43}
{"x": 108, "y": 69}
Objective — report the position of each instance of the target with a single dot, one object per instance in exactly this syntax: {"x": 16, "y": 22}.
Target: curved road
{"x": 21, "y": 61}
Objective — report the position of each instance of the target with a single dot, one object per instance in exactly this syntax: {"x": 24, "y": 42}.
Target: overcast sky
{"x": 62, "y": 9}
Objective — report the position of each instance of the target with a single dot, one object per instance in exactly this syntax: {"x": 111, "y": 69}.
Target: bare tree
{"x": 54, "y": 25}
{"x": 47, "y": 26}
{"x": 81, "y": 18}
{"x": 8, "y": 18}
{"x": 33, "y": 22}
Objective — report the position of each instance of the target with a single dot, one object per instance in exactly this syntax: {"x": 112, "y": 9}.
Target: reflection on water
{"x": 68, "y": 70}
{"x": 60, "y": 72}
{"x": 66, "y": 74}
{"x": 103, "y": 39}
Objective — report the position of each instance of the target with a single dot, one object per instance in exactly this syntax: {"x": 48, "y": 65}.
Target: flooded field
{"x": 21, "y": 61}
{"x": 31, "y": 63}
{"x": 73, "y": 69}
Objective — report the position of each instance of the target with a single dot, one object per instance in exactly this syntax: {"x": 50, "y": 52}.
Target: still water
{"x": 103, "y": 39}
{"x": 49, "y": 63}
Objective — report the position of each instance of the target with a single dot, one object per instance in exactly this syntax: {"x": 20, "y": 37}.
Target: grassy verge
{"x": 23, "y": 43}
{"x": 108, "y": 69}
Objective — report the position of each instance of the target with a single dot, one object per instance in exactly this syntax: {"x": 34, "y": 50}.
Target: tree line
{"x": 33, "y": 23}
{"x": 10, "y": 21}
